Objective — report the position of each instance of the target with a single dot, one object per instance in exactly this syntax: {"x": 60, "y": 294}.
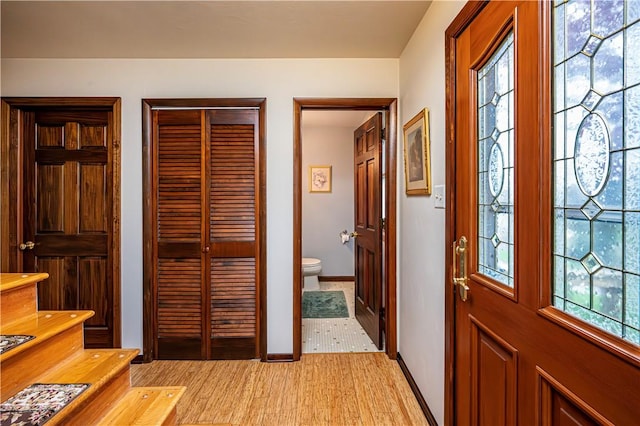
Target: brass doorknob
{"x": 355, "y": 234}
{"x": 29, "y": 245}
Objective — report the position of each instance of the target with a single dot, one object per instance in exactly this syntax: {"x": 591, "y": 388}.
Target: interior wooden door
{"x": 206, "y": 222}
{"x": 368, "y": 226}
{"x": 543, "y": 333}
{"x": 232, "y": 233}
{"x": 68, "y": 214}
{"x": 179, "y": 194}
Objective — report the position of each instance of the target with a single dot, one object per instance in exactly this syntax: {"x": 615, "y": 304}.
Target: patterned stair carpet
{"x": 10, "y": 341}
{"x": 36, "y": 404}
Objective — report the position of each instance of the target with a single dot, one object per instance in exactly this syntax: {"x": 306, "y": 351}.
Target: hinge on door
{"x": 383, "y": 134}
{"x": 382, "y": 314}
{"x": 382, "y": 223}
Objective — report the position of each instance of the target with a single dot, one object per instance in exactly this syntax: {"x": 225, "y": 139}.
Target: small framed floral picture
{"x": 319, "y": 178}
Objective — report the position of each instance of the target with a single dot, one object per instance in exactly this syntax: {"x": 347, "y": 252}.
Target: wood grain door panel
{"x": 368, "y": 215}
{"x": 558, "y": 406}
{"x": 179, "y": 296}
{"x": 494, "y": 372}
{"x": 233, "y": 308}
{"x": 68, "y": 212}
{"x": 564, "y": 413}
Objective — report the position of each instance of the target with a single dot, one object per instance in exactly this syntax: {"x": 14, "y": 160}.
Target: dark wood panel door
{"x": 518, "y": 358}
{"x": 68, "y": 214}
{"x": 368, "y": 224}
{"x": 205, "y": 197}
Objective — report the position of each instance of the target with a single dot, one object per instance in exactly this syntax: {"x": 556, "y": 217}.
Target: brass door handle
{"x": 355, "y": 234}
{"x": 460, "y": 255}
{"x": 29, "y": 245}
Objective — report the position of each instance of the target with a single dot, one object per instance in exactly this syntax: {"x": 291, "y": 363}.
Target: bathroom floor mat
{"x": 324, "y": 304}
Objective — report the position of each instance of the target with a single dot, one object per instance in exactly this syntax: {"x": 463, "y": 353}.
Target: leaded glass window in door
{"x": 495, "y": 138}
{"x": 596, "y": 160}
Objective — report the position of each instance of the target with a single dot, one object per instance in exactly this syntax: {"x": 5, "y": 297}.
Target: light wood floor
{"x": 321, "y": 389}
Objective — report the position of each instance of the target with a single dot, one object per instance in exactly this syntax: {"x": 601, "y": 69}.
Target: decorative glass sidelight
{"x": 495, "y": 164}
{"x": 596, "y": 185}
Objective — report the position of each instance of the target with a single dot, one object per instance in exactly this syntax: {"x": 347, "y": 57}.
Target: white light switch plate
{"x": 438, "y": 194}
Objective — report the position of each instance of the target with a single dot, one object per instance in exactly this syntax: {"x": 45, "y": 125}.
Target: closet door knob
{"x": 206, "y": 249}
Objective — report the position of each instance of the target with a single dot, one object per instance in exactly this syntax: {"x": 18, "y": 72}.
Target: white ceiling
{"x": 208, "y": 29}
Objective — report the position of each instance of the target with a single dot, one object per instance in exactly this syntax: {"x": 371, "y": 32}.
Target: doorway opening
{"x": 330, "y": 321}
{"x": 366, "y": 107}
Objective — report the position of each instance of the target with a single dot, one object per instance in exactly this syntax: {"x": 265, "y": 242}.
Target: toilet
{"x": 311, "y": 268}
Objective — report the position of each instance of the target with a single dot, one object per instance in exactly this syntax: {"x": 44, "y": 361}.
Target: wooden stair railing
{"x": 56, "y": 354}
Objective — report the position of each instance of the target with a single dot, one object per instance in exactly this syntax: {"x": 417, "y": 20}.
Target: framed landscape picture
{"x": 319, "y": 178}
{"x": 417, "y": 158}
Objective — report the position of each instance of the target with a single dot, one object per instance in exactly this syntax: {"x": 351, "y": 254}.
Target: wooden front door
{"x": 368, "y": 225}
{"x": 68, "y": 169}
{"x": 544, "y": 288}
{"x": 205, "y": 233}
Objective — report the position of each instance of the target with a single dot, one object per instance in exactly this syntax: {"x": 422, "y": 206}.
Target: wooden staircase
{"x": 57, "y": 355}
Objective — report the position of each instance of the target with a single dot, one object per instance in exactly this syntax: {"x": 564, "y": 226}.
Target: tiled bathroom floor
{"x": 327, "y": 335}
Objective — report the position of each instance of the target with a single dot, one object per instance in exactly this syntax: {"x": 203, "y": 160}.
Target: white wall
{"x": 421, "y": 265}
{"x": 279, "y": 80}
{"x": 325, "y": 215}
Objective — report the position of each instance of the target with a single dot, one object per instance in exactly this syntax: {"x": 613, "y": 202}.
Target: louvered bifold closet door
{"x": 206, "y": 226}
{"x": 180, "y": 192}
{"x": 233, "y": 212}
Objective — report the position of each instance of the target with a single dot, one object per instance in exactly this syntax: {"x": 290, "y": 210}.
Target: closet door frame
{"x": 148, "y": 179}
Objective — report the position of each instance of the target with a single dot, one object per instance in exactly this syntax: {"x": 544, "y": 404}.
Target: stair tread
{"x": 93, "y": 366}
{"x": 43, "y": 325}
{"x": 144, "y": 406}
{"x": 9, "y": 281}
{"x": 97, "y": 367}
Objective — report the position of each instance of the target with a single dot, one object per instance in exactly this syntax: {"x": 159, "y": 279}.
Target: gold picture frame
{"x": 319, "y": 178}
{"x": 417, "y": 155}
